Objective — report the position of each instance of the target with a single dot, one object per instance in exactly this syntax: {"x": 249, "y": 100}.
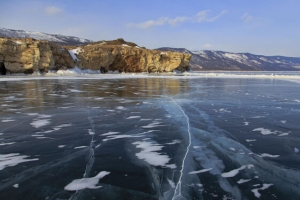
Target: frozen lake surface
{"x": 150, "y": 137}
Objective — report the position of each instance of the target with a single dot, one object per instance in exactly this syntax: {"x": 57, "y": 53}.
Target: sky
{"x": 264, "y": 27}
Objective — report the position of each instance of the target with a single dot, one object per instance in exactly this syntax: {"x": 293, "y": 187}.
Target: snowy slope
{"x": 220, "y": 60}
{"x": 66, "y": 40}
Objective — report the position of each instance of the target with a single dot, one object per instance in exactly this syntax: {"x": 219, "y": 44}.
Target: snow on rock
{"x": 90, "y": 183}
{"x": 73, "y": 53}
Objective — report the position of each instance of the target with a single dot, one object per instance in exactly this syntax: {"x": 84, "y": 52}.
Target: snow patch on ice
{"x": 150, "y": 155}
{"x": 200, "y": 171}
{"x": 109, "y": 133}
{"x": 172, "y": 184}
{"x": 283, "y": 134}
{"x": 234, "y": 172}
{"x": 12, "y": 159}
{"x": 243, "y": 181}
{"x": 40, "y": 123}
{"x": 265, "y": 186}
{"x": 174, "y": 142}
{"x": 264, "y": 131}
{"x": 90, "y": 183}
{"x": 91, "y": 132}
{"x": 8, "y": 120}
{"x": 80, "y": 147}
{"x": 263, "y": 155}
{"x": 296, "y": 150}
{"x": 9, "y": 143}
{"x": 152, "y": 125}
{"x": 133, "y": 117}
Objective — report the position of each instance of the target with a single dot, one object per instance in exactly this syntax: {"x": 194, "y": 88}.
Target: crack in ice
{"x": 177, "y": 192}
{"x": 92, "y": 154}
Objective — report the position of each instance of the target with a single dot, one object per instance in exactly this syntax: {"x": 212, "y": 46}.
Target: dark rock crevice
{"x": 3, "y": 70}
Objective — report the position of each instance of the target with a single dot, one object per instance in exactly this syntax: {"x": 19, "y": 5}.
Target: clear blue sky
{"x": 268, "y": 27}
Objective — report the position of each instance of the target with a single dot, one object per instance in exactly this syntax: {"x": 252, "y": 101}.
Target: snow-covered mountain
{"x": 220, "y": 60}
{"x": 65, "y": 40}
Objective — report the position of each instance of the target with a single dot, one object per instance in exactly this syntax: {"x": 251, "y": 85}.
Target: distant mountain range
{"x": 220, "y": 60}
{"x": 61, "y": 39}
{"x": 200, "y": 61}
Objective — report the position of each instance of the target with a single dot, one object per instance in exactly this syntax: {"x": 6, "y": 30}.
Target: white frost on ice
{"x": 174, "y": 142}
{"x": 90, "y": 183}
{"x": 110, "y": 133}
{"x": 283, "y": 121}
{"x": 150, "y": 155}
{"x": 80, "y": 147}
{"x": 9, "y": 143}
{"x": 250, "y": 140}
{"x": 152, "y": 125}
{"x": 200, "y": 171}
{"x": 113, "y": 137}
{"x": 172, "y": 184}
{"x": 61, "y": 146}
{"x": 296, "y": 150}
{"x": 234, "y": 172}
{"x": 91, "y": 132}
{"x": 265, "y": 186}
{"x": 12, "y": 159}
{"x": 264, "y": 131}
{"x": 243, "y": 181}
{"x": 283, "y": 134}
{"x": 16, "y": 185}
{"x": 133, "y": 117}
{"x": 268, "y": 155}
{"x": 39, "y": 123}
{"x": 246, "y": 123}
{"x": 8, "y": 120}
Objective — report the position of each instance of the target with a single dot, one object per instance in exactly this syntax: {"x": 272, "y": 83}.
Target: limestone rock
{"x": 29, "y": 55}
{"x": 128, "y": 57}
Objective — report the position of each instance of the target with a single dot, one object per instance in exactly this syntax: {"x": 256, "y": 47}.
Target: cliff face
{"x": 29, "y": 55}
{"x": 128, "y": 57}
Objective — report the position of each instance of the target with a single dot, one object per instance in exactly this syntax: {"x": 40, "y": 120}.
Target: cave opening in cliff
{"x": 2, "y": 69}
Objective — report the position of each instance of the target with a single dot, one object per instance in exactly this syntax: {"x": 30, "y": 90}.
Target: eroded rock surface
{"x": 29, "y": 55}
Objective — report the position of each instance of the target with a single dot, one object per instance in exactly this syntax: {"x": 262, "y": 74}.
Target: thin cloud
{"x": 52, "y": 10}
{"x": 247, "y": 18}
{"x": 207, "y": 45}
{"x": 159, "y": 22}
{"x": 202, "y": 16}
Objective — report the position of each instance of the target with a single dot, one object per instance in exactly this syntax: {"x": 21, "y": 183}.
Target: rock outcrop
{"x": 128, "y": 57}
{"x": 30, "y": 55}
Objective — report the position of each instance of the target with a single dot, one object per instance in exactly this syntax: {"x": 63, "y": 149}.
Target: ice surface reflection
{"x": 150, "y": 138}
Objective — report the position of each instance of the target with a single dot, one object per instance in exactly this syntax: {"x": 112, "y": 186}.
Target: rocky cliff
{"x": 128, "y": 57}
{"x": 29, "y": 55}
